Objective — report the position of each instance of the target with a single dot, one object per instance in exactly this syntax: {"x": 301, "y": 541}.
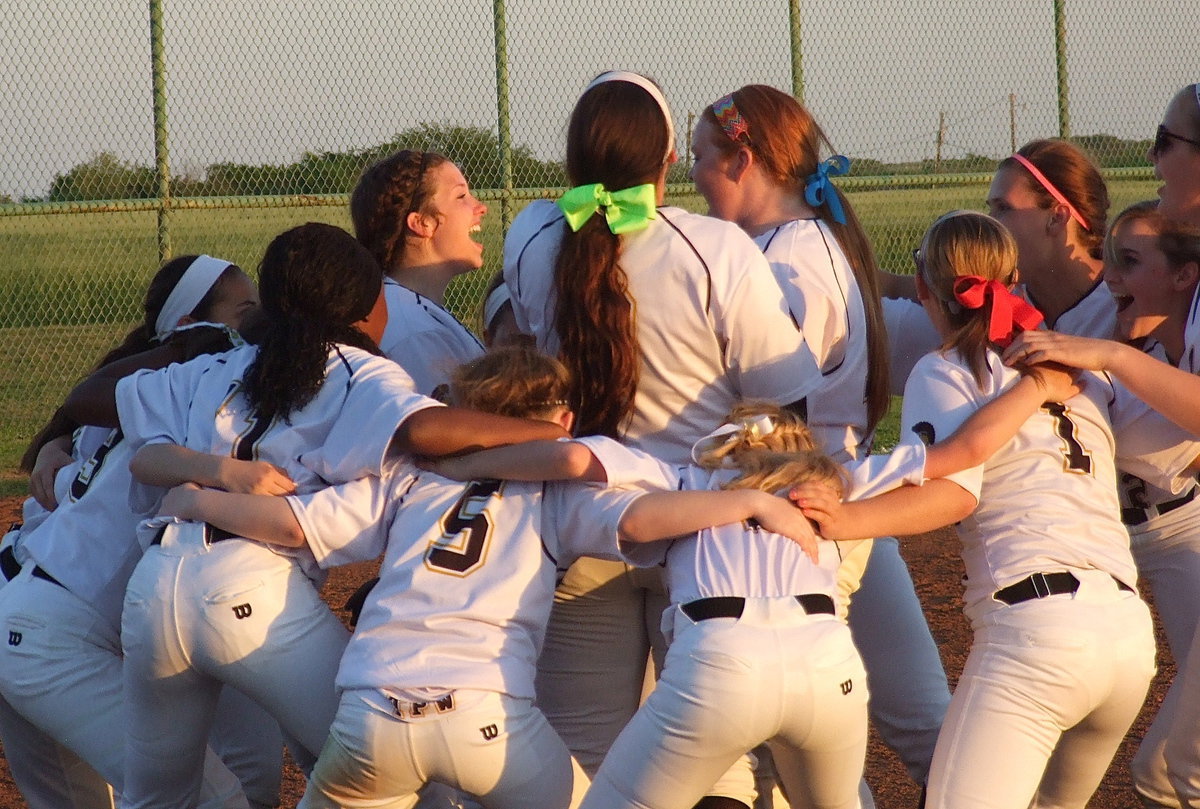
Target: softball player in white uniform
{"x": 710, "y": 328}
{"x": 757, "y": 162}
{"x": 416, "y": 214}
{"x": 1063, "y": 649}
{"x": 64, "y": 612}
{"x": 1158, "y": 302}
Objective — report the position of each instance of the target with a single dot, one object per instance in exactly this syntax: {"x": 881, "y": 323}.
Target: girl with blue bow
{"x": 757, "y": 161}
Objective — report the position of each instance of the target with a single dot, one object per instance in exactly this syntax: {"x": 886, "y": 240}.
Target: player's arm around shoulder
{"x": 254, "y": 516}
{"x": 529, "y": 461}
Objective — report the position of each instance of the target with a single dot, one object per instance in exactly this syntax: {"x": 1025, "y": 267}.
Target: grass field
{"x": 72, "y": 282}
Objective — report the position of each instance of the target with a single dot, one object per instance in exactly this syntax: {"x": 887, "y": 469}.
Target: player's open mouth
{"x": 475, "y": 232}
{"x": 1123, "y": 302}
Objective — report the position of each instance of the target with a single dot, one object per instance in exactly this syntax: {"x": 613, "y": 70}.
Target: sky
{"x": 263, "y": 81}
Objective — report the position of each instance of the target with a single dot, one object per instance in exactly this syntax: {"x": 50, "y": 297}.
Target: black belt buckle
{"x": 1037, "y": 585}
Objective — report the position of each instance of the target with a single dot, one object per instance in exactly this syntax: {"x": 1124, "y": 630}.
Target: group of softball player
{"x": 717, "y": 524}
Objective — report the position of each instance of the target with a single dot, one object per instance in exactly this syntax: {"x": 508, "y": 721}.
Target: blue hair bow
{"x": 818, "y": 190}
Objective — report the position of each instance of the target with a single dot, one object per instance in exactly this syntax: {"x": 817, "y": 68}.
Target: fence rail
{"x": 135, "y": 133}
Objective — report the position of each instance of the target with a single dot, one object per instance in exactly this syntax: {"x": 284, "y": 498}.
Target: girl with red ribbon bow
{"x": 1063, "y": 649}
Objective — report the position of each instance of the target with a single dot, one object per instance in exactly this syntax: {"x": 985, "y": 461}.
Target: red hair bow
{"x": 1011, "y": 313}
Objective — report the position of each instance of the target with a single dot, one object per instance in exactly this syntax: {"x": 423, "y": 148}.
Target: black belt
{"x": 9, "y": 565}
{"x": 1040, "y": 585}
{"x": 1136, "y": 516}
{"x": 211, "y": 534}
{"x": 731, "y": 606}
{"x": 38, "y": 573}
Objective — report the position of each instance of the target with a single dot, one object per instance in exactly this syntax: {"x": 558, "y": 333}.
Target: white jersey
{"x": 89, "y": 543}
{"x": 1160, "y": 445}
{"x": 1047, "y": 498}
{"x": 468, "y": 573}
{"x": 911, "y": 335}
{"x": 427, "y": 341}
{"x": 712, "y": 325}
{"x": 342, "y": 434}
{"x": 726, "y": 560}
{"x": 824, "y": 297}
{"x": 1093, "y": 315}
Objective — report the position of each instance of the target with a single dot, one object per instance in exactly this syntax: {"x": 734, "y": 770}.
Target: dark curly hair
{"x": 316, "y": 281}
{"x": 386, "y": 193}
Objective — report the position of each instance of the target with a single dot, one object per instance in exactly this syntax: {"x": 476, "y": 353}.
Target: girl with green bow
{"x": 665, "y": 319}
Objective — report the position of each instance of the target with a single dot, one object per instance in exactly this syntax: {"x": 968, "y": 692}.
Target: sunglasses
{"x": 1163, "y": 138}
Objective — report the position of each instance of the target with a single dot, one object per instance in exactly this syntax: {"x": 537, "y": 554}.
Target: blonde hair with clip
{"x": 774, "y": 449}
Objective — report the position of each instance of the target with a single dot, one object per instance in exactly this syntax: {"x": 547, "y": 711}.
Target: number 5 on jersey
{"x": 466, "y": 531}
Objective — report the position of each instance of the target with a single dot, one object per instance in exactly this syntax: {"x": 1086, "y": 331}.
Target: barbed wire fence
{"x": 133, "y": 134}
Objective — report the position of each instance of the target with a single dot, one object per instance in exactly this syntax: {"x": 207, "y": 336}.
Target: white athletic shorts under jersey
{"x": 437, "y": 682}
{"x": 1025, "y": 722}
{"x": 427, "y": 341}
{"x": 712, "y": 325}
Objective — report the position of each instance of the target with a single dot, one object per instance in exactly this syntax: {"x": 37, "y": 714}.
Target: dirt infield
{"x": 937, "y": 571}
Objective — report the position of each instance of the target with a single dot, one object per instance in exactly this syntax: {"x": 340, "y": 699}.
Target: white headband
{"x": 647, "y": 85}
{"x": 494, "y": 303}
{"x": 195, "y": 283}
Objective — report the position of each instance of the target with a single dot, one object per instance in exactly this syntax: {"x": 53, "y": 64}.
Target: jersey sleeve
{"x": 765, "y": 350}
{"x": 625, "y": 466}
{"x": 1149, "y": 445}
{"x": 911, "y": 336}
{"x": 875, "y": 474}
{"x": 585, "y": 518}
{"x": 938, "y": 398}
{"x": 152, "y": 405}
{"x": 349, "y": 522}
{"x": 379, "y": 396}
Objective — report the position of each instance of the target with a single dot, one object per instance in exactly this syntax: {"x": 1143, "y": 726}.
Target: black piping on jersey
{"x": 1029, "y": 297}
{"x": 707, "y": 272}
{"x": 349, "y": 367}
{"x": 433, "y": 307}
{"x": 546, "y": 551}
{"x": 521, "y": 255}
{"x": 837, "y": 280}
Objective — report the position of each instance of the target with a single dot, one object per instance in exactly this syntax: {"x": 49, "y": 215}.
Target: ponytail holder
{"x": 818, "y": 190}
{"x": 751, "y": 428}
{"x": 1011, "y": 313}
{"x": 626, "y": 211}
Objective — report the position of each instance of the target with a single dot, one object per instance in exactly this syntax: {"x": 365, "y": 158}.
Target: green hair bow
{"x": 626, "y": 211}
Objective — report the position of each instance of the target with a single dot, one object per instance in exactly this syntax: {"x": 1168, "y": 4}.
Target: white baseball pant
{"x": 1050, "y": 687}
{"x": 61, "y": 667}
{"x": 495, "y": 747}
{"x": 1167, "y": 552}
{"x": 197, "y": 617}
{"x": 775, "y": 674}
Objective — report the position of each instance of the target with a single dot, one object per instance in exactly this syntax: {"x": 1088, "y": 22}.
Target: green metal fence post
{"x": 158, "y": 67}
{"x": 502, "y": 117}
{"x": 1060, "y": 58}
{"x": 797, "y": 55}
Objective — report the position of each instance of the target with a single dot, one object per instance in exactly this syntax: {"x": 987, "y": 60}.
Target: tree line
{"x": 474, "y": 149}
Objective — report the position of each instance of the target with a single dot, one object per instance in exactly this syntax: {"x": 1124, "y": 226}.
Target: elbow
{"x": 293, "y": 536}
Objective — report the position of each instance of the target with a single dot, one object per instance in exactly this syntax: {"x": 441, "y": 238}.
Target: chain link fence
{"x": 133, "y": 133}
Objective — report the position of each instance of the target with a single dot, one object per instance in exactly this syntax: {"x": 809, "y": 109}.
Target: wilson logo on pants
{"x": 14, "y": 638}
{"x": 847, "y": 687}
{"x": 490, "y": 732}
{"x": 242, "y": 611}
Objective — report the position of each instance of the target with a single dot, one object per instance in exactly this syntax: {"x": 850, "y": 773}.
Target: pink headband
{"x": 1050, "y": 188}
{"x": 731, "y": 121}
